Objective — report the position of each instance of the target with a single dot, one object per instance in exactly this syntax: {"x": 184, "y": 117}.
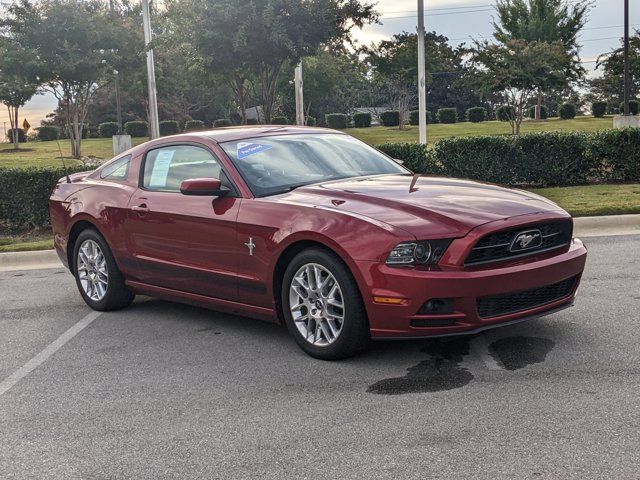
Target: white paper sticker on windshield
{"x": 161, "y": 169}
{"x": 247, "y": 149}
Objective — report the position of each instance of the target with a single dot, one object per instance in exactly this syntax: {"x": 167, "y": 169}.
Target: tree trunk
{"x": 539, "y": 107}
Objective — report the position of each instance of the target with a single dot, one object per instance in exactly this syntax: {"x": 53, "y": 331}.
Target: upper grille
{"x": 496, "y": 247}
{"x": 498, "y": 305}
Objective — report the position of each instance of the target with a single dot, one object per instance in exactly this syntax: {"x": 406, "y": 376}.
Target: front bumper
{"x": 464, "y": 286}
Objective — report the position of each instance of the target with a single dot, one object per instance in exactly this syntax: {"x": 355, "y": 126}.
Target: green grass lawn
{"x": 44, "y": 154}
{"x": 47, "y": 154}
{"x": 25, "y": 243}
{"x": 435, "y": 132}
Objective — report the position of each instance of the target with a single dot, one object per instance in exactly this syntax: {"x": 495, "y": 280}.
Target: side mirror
{"x": 204, "y": 187}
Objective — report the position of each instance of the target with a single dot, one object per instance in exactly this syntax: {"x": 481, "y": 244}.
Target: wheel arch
{"x": 74, "y": 232}
{"x": 298, "y": 245}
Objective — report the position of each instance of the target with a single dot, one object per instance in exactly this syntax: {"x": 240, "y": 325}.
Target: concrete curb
{"x": 584, "y": 227}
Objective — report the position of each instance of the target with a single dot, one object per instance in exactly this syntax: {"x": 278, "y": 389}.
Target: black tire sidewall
{"x": 355, "y": 330}
{"x": 117, "y": 295}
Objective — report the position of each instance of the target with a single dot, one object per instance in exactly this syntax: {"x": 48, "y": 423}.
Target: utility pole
{"x": 154, "y": 124}
{"x": 299, "y": 94}
{"x": 118, "y": 102}
{"x": 627, "y": 80}
{"x": 422, "y": 94}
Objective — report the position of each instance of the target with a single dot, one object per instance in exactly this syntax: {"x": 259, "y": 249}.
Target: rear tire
{"x": 100, "y": 282}
{"x": 322, "y": 306}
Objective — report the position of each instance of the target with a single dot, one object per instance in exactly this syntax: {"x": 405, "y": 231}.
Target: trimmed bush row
{"x": 24, "y": 195}
{"x": 535, "y": 159}
{"x": 362, "y": 120}
{"x": 336, "y": 120}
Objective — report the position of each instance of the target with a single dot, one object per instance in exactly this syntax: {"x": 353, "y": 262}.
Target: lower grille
{"x": 498, "y": 305}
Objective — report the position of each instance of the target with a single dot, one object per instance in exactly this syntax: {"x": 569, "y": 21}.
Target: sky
{"x": 459, "y": 20}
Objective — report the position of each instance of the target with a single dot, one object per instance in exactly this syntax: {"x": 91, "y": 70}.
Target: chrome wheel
{"x": 92, "y": 270}
{"x": 317, "y": 305}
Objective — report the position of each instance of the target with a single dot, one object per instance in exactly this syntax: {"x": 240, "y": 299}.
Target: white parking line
{"x": 52, "y": 348}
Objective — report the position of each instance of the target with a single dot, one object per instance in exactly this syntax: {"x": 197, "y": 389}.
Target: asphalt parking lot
{"x": 163, "y": 390}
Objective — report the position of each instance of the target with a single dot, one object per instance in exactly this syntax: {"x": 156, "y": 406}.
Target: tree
{"x": 252, "y": 40}
{"x": 72, "y": 39}
{"x": 517, "y": 69}
{"x": 395, "y": 69}
{"x": 550, "y": 21}
{"x": 18, "y": 82}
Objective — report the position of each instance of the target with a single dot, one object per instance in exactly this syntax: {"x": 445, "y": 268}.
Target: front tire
{"x": 98, "y": 278}
{"x": 322, "y": 306}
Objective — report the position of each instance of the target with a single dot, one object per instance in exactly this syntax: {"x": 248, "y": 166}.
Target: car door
{"x": 180, "y": 242}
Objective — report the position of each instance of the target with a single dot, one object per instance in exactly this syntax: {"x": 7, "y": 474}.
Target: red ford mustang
{"x": 314, "y": 229}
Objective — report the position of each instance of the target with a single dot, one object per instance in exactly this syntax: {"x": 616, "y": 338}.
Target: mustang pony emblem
{"x": 526, "y": 240}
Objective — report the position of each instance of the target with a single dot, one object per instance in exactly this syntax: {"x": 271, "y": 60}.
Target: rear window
{"x": 117, "y": 170}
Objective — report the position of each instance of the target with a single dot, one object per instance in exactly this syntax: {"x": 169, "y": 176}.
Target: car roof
{"x": 231, "y": 134}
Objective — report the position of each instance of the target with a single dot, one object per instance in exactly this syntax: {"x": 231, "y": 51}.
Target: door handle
{"x": 142, "y": 208}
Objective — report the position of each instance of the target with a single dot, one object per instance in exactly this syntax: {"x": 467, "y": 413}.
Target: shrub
{"x": 634, "y": 107}
{"x": 252, "y": 121}
{"x": 414, "y": 156}
{"x": 567, "y": 111}
{"x": 414, "y": 117}
{"x": 22, "y": 138}
{"x": 235, "y": 118}
{"x": 108, "y": 129}
{"x": 137, "y": 128}
{"x": 506, "y": 113}
{"x": 390, "y": 118}
{"x": 280, "y": 120}
{"x": 599, "y": 109}
{"x": 169, "y": 127}
{"x": 193, "y": 125}
{"x": 28, "y": 205}
{"x": 336, "y": 120}
{"x": 617, "y": 152}
{"x": 447, "y": 115}
{"x": 48, "y": 133}
{"x": 221, "y": 122}
{"x": 362, "y": 120}
{"x": 544, "y": 112}
{"x": 476, "y": 114}
{"x": 311, "y": 121}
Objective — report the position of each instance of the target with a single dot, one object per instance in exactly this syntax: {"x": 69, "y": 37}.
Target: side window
{"x": 117, "y": 170}
{"x": 165, "y": 168}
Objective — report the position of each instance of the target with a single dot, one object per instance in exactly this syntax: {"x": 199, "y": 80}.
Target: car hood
{"x": 426, "y": 207}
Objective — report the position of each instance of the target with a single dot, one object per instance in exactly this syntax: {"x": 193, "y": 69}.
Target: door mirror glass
{"x": 205, "y": 187}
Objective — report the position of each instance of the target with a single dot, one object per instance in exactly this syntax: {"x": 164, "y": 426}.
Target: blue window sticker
{"x": 247, "y": 149}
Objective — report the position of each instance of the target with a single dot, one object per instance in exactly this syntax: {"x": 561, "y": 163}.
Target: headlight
{"x": 418, "y": 253}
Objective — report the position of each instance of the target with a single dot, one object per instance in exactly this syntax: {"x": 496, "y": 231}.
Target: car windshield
{"x": 278, "y": 164}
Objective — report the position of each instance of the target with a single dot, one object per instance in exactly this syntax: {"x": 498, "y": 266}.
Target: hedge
{"x": 107, "y": 129}
{"x": 567, "y": 111}
{"x": 336, "y": 120}
{"x": 169, "y": 127}
{"x": 476, "y": 114}
{"x": 137, "y": 128}
{"x": 447, "y": 115}
{"x": 505, "y": 113}
{"x": 192, "y": 125}
{"x": 280, "y": 120}
{"x": 221, "y": 122}
{"x": 535, "y": 159}
{"x": 311, "y": 121}
{"x": 252, "y": 121}
{"x": 362, "y": 120}
{"x": 544, "y": 112}
{"x": 414, "y": 117}
{"x": 390, "y": 118}
{"x": 598, "y": 109}
{"x": 22, "y": 138}
{"x": 48, "y": 133}
{"x": 634, "y": 107}
{"x": 24, "y": 195}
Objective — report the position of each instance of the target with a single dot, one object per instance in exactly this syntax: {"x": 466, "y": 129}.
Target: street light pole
{"x": 154, "y": 124}
{"x": 299, "y": 94}
{"x": 627, "y": 80}
{"x": 422, "y": 94}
